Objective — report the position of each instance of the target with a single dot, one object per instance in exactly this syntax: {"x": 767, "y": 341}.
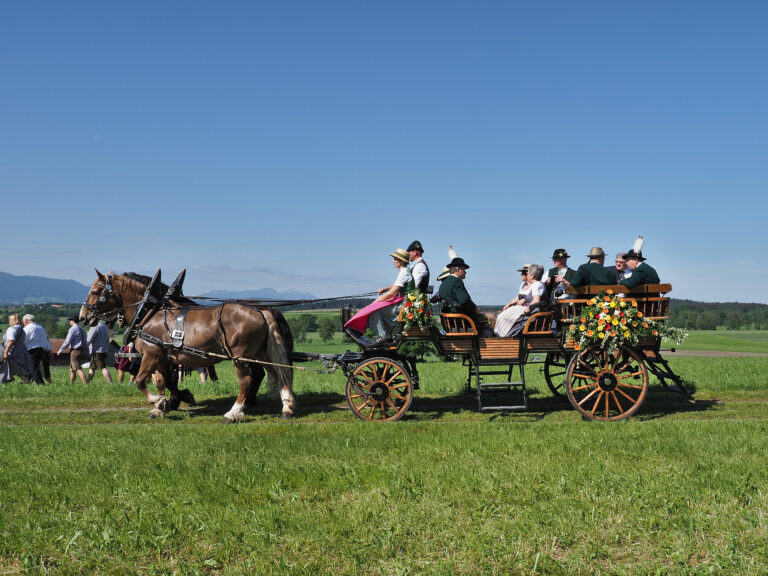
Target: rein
{"x": 275, "y": 302}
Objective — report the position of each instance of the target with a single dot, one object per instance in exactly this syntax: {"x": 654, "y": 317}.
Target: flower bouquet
{"x": 611, "y": 322}
{"x": 416, "y": 311}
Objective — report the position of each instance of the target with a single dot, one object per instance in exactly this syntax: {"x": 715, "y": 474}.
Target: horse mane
{"x": 137, "y": 284}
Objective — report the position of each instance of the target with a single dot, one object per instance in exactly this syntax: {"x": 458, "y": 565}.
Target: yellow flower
{"x": 626, "y": 334}
{"x": 614, "y": 322}
{"x": 600, "y": 335}
{"x": 613, "y": 304}
{"x": 582, "y": 327}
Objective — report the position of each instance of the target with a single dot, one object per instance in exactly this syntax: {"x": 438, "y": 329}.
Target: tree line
{"x": 693, "y": 315}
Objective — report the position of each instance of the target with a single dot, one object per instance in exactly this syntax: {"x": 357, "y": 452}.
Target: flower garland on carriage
{"x": 416, "y": 311}
{"x": 611, "y": 322}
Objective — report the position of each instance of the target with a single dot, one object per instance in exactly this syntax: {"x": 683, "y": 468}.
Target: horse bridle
{"x": 97, "y": 308}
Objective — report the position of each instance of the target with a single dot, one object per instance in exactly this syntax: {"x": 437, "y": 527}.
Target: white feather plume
{"x": 451, "y": 252}
{"x": 638, "y": 245}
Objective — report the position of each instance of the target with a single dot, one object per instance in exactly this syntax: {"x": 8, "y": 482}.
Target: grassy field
{"x": 89, "y": 485}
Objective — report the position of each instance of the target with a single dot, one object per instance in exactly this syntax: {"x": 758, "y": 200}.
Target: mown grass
{"x": 727, "y": 340}
{"x": 89, "y": 485}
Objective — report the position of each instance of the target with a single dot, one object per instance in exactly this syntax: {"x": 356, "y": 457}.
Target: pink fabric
{"x": 360, "y": 320}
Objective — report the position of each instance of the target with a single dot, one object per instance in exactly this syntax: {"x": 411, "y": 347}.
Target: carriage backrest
{"x": 460, "y": 334}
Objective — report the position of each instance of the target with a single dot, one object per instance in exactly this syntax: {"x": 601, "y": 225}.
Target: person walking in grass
{"x": 76, "y": 343}
{"x": 39, "y": 348}
{"x": 98, "y": 341}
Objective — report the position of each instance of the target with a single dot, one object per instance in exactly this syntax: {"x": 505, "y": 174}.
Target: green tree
{"x": 327, "y": 328}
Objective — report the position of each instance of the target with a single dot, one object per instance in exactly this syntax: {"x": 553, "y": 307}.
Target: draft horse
{"x": 255, "y": 338}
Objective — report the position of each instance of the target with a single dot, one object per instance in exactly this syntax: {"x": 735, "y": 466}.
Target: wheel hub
{"x": 607, "y": 381}
{"x": 379, "y": 392}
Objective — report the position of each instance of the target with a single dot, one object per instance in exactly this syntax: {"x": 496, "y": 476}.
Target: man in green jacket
{"x": 642, "y": 273}
{"x": 559, "y": 277}
{"x": 455, "y": 298}
{"x": 593, "y": 273}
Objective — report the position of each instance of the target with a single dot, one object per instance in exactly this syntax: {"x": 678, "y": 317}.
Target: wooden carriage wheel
{"x": 379, "y": 389}
{"x": 555, "y": 368}
{"x": 606, "y": 385}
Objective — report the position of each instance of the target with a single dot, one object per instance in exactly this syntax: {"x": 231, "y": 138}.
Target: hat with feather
{"x": 444, "y": 273}
{"x": 637, "y": 250}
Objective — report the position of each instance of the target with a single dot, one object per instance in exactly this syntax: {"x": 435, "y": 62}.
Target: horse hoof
{"x": 286, "y": 415}
{"x": 151, "y": 415}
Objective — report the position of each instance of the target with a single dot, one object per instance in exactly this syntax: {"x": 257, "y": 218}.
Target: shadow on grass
{"x": 659, "y": 402}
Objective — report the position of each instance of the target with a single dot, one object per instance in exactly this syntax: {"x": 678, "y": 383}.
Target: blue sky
{"x": 294, "y": 145}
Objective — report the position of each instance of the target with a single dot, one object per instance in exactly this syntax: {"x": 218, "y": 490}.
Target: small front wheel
{"x": 379, "y": 389}
{"x": 605, "y": 385}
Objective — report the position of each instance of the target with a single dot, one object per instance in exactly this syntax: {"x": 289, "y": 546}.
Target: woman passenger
{"x": 381, "y": 314}
{"x": 511, "y": 320}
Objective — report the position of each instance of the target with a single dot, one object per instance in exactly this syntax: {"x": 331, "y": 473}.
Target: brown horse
{"x": 254, "y": 338}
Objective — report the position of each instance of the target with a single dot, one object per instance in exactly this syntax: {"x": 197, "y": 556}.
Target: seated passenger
{"x": 593, "y": 273}
{"x": 642, "y": 273}
{"x": 381, "y": 315}
{"x": 455, "y": 298}
{"x": 511, "y": 320}
{"x": 559, "y": 276}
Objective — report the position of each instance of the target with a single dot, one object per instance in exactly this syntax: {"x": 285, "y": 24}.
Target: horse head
{"x": 102, "y": 302}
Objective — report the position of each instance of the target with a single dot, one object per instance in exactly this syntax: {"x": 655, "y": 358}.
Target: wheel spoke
{"x": 616, "y": 401}
{"x": 597, "y": 402}
{"x": 627, "y": 396}
{"x": 631, "y": 386}
{"x": 588, "y": 396}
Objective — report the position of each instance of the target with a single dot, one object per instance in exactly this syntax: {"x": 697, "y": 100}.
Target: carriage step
{"x": 500, "y": 386}
{"x": 502, "y": 408}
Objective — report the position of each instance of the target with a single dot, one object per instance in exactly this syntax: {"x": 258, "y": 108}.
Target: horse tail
{"x": 276, "y": 348}
{"x": 285, "y": 330}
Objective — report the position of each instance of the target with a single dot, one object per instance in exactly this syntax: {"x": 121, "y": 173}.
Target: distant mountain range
{"x": 39, "y": 290}
{"x": 17, "y": 290}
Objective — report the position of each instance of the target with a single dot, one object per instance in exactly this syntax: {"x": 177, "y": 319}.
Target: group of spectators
{"x": 27, "y": 350}
{"x": 380, "y": 316}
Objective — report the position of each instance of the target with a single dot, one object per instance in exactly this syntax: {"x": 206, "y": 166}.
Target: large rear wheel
{"x": 555, "y": 367}
{"x": 379, "y": 389}
{"x": 606, "y": 385}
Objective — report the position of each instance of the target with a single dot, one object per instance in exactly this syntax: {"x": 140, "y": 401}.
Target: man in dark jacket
{"x": 642, "y": 273}
{"x": 559, "y": 276}
{"x": 593, "y": 273}
{"x": 455, "y": 298}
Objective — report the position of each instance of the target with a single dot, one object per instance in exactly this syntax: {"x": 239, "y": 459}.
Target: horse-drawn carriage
{"x": 601, "y": 384}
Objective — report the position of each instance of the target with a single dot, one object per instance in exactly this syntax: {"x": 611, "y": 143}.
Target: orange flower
{"x": 421, "y": 310}
{"x": 410, "y": 316}
{"x": 609, "y": 291}
{"x": 576, "y": 347}
{"x": 572, "y": 328}
{"x": 613, "y": 333}
{"x": 590, "y": 333}
{"x": 645, "y": 324}
{"x": 583, "y": 320}
{"x": 655, "y": 332}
